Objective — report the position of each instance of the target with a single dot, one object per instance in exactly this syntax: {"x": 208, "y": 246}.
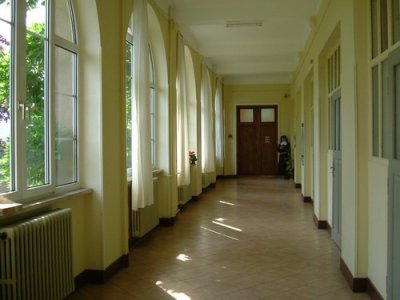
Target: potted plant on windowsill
{"x": 192, "y": 157}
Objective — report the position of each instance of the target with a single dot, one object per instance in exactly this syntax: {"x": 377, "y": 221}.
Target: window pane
{"x": 65, "y": 161}
{"x": 63, "y": 20}
{"x": 396, "y": 20}
{"x": 65, "y": 117}
{"x": 6, "y": 158}
{"x": 151, "y": 67}
{"x": 375, "y": 111}
{"x": 267, "y": 115}
{"x": 384, "y": 25}
{"x": 65, "y": 72}
{"x": 5, "y": 11}
{"x": 374, "y": 27}
{"x": 36, "y": 116}
{"x": 36, "y": 16}
{"x": 128, "y": 95}
{"x": 246, "y": 115}
{"x": 153, "y": 124}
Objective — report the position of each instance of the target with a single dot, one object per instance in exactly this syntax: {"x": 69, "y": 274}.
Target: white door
{"x": 391, "y": 150}
{"x": 336, "y": 168}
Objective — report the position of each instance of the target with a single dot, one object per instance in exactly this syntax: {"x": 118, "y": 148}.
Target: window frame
{"x": 378, "y": 61}
{"x": 19, "y": 189}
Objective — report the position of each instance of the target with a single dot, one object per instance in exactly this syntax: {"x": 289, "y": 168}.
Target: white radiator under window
{"x": 146, "y": 219}
{"x": 36, "y": 258}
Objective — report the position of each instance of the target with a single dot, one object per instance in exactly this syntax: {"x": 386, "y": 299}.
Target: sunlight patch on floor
{"x": 227, "y": 203}
{"x": 183, "y": 257}
{"x": 175, "y": 294}
{"x": 227, "y": 226}
{"x": 221, "y": 234}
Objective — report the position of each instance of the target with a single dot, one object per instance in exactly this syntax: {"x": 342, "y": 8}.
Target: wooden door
{"x": 257, "y": 140}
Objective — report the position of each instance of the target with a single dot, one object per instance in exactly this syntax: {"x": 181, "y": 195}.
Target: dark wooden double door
{"x": 257, "y": 140}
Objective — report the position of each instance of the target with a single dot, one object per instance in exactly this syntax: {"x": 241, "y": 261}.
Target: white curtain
{"x": 183, "y": 165}
{"x": 142, "y": 177}
{"x": 219, "y": 126}
{"x": 207, "y": 124}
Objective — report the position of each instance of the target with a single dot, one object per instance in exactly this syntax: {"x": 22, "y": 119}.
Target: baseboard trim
{"x": 227, "y": 176}
{"x": 182, "y": 207}
{"x": 209, "y": 187}
{"x": 373, "y": 292}
{"x": 307, "y": 199}
{"x": 320, "y": 223}
{"x": 166, "y": 222}
{"x": 357, "y": 285}
{"x": 101, "y": 276}
{"x": 196, "y": 198}
{"x": 297, "y": 185}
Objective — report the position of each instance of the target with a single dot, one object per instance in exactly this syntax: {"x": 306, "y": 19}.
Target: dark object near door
{"x": 285, "y": 168}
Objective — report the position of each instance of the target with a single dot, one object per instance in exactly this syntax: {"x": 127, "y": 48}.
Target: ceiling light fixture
{"x": 244, "y": 23}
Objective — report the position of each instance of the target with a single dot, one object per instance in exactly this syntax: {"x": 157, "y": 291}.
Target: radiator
{"x": 207, "y": 179}
{"x": 184, "y": 194}
{"x": 36, "y": 258}
{"x": 145, "y": 219}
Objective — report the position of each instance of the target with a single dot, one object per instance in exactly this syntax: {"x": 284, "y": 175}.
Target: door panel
{"x": 394, "y": 230}
{"x": 268, "y": 144}
{"x": 247, "y": 151}
{"x": 336, "y": 168}
{"x": 257, "y": 140}
{"x": 391, "y": 150}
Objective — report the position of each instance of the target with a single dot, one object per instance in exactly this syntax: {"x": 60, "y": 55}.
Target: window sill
{"x": 41, "y": 203}
{"x": 156, "y": 174}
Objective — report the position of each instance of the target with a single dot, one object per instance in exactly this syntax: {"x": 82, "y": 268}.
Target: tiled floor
{"x": 249, "y": 238}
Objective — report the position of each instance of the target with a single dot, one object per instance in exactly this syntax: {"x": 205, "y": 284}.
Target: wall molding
{"x": 297, "y": 185}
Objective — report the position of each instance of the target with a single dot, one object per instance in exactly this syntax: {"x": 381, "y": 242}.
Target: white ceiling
{"x": 257, "y": 54}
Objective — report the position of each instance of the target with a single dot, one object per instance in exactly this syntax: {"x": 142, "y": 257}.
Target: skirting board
{"x": 359, "y": 285}
{"x": 321, "y": 224}
{"x": 297, "y": 185}
{"x": 307, "y": 199}
{"x": 227, "y": 177}
{"x": 167, "y": 221}
{"x": 101, "y": 276}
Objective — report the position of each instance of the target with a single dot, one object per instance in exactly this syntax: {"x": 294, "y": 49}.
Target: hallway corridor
{"x": 249, "y": 238}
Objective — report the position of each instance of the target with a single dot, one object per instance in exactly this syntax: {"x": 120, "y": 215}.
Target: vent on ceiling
{"x": 244, "y": 23}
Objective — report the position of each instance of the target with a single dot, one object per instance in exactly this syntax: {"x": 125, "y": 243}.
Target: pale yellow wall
{"x": 363, "y": 108}
{"x": 364, "y": 191}
{"x": 235, "y": 95}
{"x": 114, "y": 190}
{"x": 340, "y": 14}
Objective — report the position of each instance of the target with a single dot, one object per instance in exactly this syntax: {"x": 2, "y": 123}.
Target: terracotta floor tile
{"x": 262, "y": 245}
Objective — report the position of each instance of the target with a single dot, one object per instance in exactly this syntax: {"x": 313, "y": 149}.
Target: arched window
{"x": 38, "y": 97}
{"x": 129, "y": 97}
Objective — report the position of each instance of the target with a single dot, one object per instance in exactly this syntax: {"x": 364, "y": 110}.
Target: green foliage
{"x": 4, "y": 165}
{"x": 128, "y": 108}
{"x": 35, "y": 102}
{"x": 35, "y": 124}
